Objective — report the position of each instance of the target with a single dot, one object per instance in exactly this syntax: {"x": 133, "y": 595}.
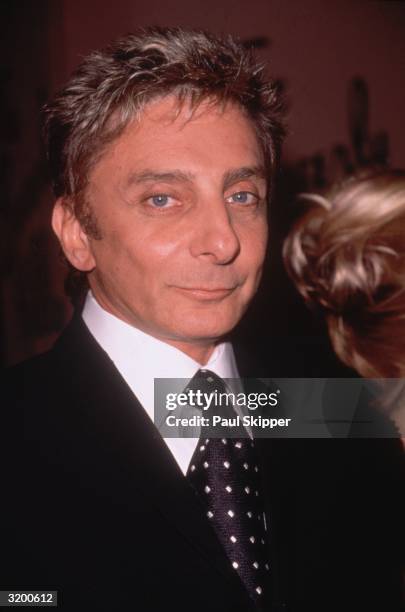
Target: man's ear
{"x": 73, "y": 239}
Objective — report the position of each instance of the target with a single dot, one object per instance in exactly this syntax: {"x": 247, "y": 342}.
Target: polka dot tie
{"x": 225, "y": 474}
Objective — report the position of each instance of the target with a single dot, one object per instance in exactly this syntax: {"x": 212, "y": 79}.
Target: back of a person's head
{"x": 346, "y": 255}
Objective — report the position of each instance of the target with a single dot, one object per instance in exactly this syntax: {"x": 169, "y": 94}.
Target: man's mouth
{"x": 206, "y": 293}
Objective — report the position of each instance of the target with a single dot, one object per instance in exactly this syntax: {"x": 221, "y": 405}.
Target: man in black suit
{"x": 163, "y": 150}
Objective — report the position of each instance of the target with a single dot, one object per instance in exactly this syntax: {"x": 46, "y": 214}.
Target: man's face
{"x": 181, "y": 206}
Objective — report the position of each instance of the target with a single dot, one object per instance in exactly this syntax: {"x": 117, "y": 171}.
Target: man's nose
{"x": 214, "y": 236}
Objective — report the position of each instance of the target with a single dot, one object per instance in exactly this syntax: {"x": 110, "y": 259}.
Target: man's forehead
{"x": 170, "y": 114}
{"x": 220, "y": 141}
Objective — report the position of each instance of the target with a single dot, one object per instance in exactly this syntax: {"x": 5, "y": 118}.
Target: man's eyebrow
{"x": 239, "y": 174}
{"x": 150, "y": 176}
{"x": 179, "y": 176}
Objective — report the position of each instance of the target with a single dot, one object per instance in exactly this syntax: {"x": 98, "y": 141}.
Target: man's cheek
{"x": 164, "y": 245}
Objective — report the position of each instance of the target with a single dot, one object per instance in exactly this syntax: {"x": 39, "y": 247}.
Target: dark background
{"x": 342, "y": 66}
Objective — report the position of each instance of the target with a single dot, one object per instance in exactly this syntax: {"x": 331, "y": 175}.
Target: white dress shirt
{"x": 140, "y": 358}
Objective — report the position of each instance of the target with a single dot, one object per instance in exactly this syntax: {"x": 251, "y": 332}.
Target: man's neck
{"x": 199, "y": 352}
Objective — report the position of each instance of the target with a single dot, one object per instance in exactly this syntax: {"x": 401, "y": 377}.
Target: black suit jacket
{"x": 96, "y": 507}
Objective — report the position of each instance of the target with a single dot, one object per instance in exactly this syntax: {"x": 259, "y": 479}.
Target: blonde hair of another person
{"x": 346, "y": 255}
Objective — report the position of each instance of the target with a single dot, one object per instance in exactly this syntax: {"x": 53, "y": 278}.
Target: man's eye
{"x": 160, "y": 200}
{"x": 243, "y": 197}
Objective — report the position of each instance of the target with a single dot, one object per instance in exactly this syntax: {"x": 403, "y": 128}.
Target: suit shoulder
{"x": 30, "y": 385}
{"x": 32, "y": 371}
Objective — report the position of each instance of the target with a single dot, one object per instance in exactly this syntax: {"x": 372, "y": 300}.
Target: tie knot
{"x": 215, "y": 400}
{"x": 207, "y": 382}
